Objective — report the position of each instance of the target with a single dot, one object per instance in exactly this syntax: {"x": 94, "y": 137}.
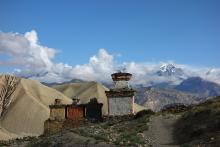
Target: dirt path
{"x": 160, "y": 133}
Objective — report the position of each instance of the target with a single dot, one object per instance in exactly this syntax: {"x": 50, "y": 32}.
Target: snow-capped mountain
{"x": 165, "y": 75}
{"x": 170, "y": 70}
{"x": 190, "y": 91}
{"x": 160, "y": 75}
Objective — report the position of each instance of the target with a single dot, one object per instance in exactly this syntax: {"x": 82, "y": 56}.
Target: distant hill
{"x": 200, "y": 87}
{"x": 67, "y": 82}
{"x": 190, "y": 91}
{"x": 25, "y": 106}
{"x": 155, "y": 98}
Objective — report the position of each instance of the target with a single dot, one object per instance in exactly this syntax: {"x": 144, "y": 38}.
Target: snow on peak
{"x": 168, "y": 67}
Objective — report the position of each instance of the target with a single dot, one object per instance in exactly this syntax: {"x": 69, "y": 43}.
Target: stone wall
{"x": 121, "y": 84}
{"x": 52, "y": 126}
{"x": 57, "y": 114}
{"x": 120, "y": 105}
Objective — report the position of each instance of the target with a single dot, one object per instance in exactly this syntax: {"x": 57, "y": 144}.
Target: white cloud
{"x": 99, "y": 66}
{"x": 33, "y": 60}
{"x": 25, "y": 50}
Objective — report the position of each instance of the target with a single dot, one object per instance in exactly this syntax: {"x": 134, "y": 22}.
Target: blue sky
{"x": 184, "y": 31}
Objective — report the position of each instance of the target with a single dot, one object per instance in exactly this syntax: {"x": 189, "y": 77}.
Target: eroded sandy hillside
{"x": 24, "y": 106}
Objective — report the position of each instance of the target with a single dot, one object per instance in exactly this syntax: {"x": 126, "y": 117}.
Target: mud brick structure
{"x": 121, "y": 97}
{"x": 75, "y": 112}
{"x": 73, "y": 115}
{"x": 52, "y": 126}
{"x": 57, "y": 111}
{"x": 94, "y": 109}
{"x": 64, "y": 116}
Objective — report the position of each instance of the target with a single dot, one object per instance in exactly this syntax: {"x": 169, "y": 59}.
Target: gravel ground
{"x": 160, "y": 133}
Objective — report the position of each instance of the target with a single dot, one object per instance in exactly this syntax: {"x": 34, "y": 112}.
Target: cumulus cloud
{"x": 100, "y": 65}
{"x": 25, "y": 50}
{"x": 35, "y": 61}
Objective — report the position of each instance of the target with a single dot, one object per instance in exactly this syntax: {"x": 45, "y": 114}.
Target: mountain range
{"x": 191, "y": 91}
{"x": 66, "y": 82}
{"x": 188, "y": 89}
{"x": 199, "y": 86}
{"x": 180, "y": 87}
{"x": 173, "y": 75}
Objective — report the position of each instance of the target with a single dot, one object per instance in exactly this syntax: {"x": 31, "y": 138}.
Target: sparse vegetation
{"x": 175, "y": 108}
{"x": 17, "y": 141}
{"x": 143, "y": 113}
{"x": 36, "y": 143}
{"x": 125, "y": 131}
{"x": 119, "y": 131}
{"x": 200, "y": 125}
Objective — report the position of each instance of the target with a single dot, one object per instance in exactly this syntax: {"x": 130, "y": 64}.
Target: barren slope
{"x": 28, "y": 110}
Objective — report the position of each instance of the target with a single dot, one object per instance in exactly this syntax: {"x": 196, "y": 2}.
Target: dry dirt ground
{"x": 64, "y": 139}
{"x": 160, "y": 132}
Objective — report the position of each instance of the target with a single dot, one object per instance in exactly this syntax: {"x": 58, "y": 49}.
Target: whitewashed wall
{"x": 121, "y": 84}
{"x": 120, "y": 106}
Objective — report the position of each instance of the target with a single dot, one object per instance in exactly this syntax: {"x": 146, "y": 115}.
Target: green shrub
{"x": 143, "y": 113}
